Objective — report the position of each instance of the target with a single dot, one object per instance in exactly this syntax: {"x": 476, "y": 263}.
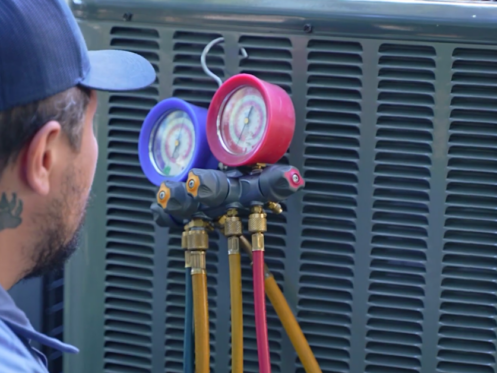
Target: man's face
{"x": 60, "y": 221}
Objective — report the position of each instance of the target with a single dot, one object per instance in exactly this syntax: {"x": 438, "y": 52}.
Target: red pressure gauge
{"x": 249, "y": 121}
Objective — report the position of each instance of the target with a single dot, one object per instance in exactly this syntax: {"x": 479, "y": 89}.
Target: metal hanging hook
{"x": 203, "y": 57}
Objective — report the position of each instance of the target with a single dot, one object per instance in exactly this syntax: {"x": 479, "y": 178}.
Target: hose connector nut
{"x": 257, "y": 222}
{"x": 198, "y": 239}
{"x": 233, "y": 226}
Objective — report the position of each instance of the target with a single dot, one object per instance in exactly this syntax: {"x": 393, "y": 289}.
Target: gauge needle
{"x": 177, "y": 143}
{"x": 245, "y": 122}
{"x": 176, "y": 147}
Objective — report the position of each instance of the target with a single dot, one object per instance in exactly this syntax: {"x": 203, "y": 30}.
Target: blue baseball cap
{"x": 42, "y": 53}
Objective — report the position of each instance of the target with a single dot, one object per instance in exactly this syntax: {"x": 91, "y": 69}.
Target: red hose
{"x": 260, "y": 313}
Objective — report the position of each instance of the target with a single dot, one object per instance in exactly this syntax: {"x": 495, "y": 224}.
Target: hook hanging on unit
{"x": 203, "y": 61}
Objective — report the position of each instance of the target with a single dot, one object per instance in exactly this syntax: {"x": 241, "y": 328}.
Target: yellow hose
{"x": 291, "y": 326}
{"x": 287, "y": 318}
{"x": 236, "y": 313}
{"x": 201, "y": 321}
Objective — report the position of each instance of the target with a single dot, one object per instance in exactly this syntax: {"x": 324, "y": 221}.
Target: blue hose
{"x": 188, "y": 357}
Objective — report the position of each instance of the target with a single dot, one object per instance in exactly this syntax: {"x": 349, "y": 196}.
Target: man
{"x": 48, "y": 151}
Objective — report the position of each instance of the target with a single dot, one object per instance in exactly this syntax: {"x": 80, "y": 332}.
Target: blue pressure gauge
{"x": 173, "y": 141}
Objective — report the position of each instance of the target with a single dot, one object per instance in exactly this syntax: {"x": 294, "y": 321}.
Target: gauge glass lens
{"x": 243, "y": 121}
{"x": 172, "y": 143}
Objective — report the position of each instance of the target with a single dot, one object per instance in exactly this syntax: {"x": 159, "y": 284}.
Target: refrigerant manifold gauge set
{"x": 211, "y": 166}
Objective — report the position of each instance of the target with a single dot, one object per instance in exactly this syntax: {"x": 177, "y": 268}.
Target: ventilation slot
{"x": 175, "y": 303}
{"x": 269, "y": 59}
{"x": 190, "y": 82}
{"x": 144, "y": 42}
{"x": 130, "y": 229}
{"x": 331, "y": 155}
{"x": 468, "y": 309}
{"x": 53, "y": 317}
{"x": 400, "y": 208}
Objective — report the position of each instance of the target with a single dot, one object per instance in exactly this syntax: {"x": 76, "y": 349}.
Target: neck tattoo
{"x": 10, "y": 212}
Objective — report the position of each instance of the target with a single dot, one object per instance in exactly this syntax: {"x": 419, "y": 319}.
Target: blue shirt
{"x": 16, "y": 333}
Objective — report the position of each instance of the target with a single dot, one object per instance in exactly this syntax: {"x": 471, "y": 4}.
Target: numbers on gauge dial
{"x": 243, "y": 121}
{"x": 173, "y": 143}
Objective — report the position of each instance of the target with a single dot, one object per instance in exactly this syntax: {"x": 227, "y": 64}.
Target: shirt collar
{"x": 16, "y": 319}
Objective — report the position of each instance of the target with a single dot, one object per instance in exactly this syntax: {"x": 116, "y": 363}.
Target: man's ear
{"x": 40, "y": 156}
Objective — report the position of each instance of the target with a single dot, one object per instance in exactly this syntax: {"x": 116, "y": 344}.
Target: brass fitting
{"x": 257, "y": 241}
{"x": 257, "y": 222}
{"x": 231, "y": 212}
{"x": 248, "y": 250}
{"x": 198, "y": 262}
{"x": 184, "y": 245}
{"x": 275, "y": 207}
{"x": 232, "y": 226}
{"x": 233, "y": 230}
{"x": 188, "y": 259}
{"x": 199, "y": 223}
{"x": 197, "y": 243}
{"x": 184, "y": 240}
{"x": 259, "y": 166}
{"x": 221, "y": 221}
{"x": 233, "y": 245}
{"x": 257, "y": 225}
{"x": 197, "y": 238}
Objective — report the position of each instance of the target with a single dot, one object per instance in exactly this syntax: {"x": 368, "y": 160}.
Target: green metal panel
{"x": 388, "y": 256}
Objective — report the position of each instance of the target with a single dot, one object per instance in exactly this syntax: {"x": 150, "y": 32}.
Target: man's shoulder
{"x": 15, "y": 355}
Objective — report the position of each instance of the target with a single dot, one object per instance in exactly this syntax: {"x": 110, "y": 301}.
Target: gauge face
{"x": 243, "y": 121}
{"x": 172, "y": 143}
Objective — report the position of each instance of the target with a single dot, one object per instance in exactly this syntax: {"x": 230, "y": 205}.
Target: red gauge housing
{"x": 279, "y": 129}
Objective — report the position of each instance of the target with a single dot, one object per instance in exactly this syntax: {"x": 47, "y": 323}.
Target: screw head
{"x": 295, "y": 178}
{"x": 162, "y": 194}
{"x": 307, "y": 28}
{"x": 191, "y": 183}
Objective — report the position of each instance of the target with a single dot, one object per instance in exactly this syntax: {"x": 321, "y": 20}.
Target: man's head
{"x": 48, "y": 150}
{"x": 48, "y": 154}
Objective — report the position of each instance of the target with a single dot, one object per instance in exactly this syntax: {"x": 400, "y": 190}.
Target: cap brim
{"x": 116, "y": 70}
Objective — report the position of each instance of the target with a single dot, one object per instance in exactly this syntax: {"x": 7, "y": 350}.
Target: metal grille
{"x": 130, "y": 231}
{"x": 380, "y": 282}
{"x": 467, "y": 331}
{"x": 270, "y": 59}
{"x": 333, "y": 117}
{"x": 400, "y": 208}
{"x": 175, "y": 304}
{"x": 53, "y": 317}
{"x": 190, "y": 83}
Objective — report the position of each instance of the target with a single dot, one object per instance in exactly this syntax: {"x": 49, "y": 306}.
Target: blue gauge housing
{"x": 201, "y": 156}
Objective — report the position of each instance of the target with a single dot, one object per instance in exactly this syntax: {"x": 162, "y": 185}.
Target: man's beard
{"x": 57, "y": 242}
